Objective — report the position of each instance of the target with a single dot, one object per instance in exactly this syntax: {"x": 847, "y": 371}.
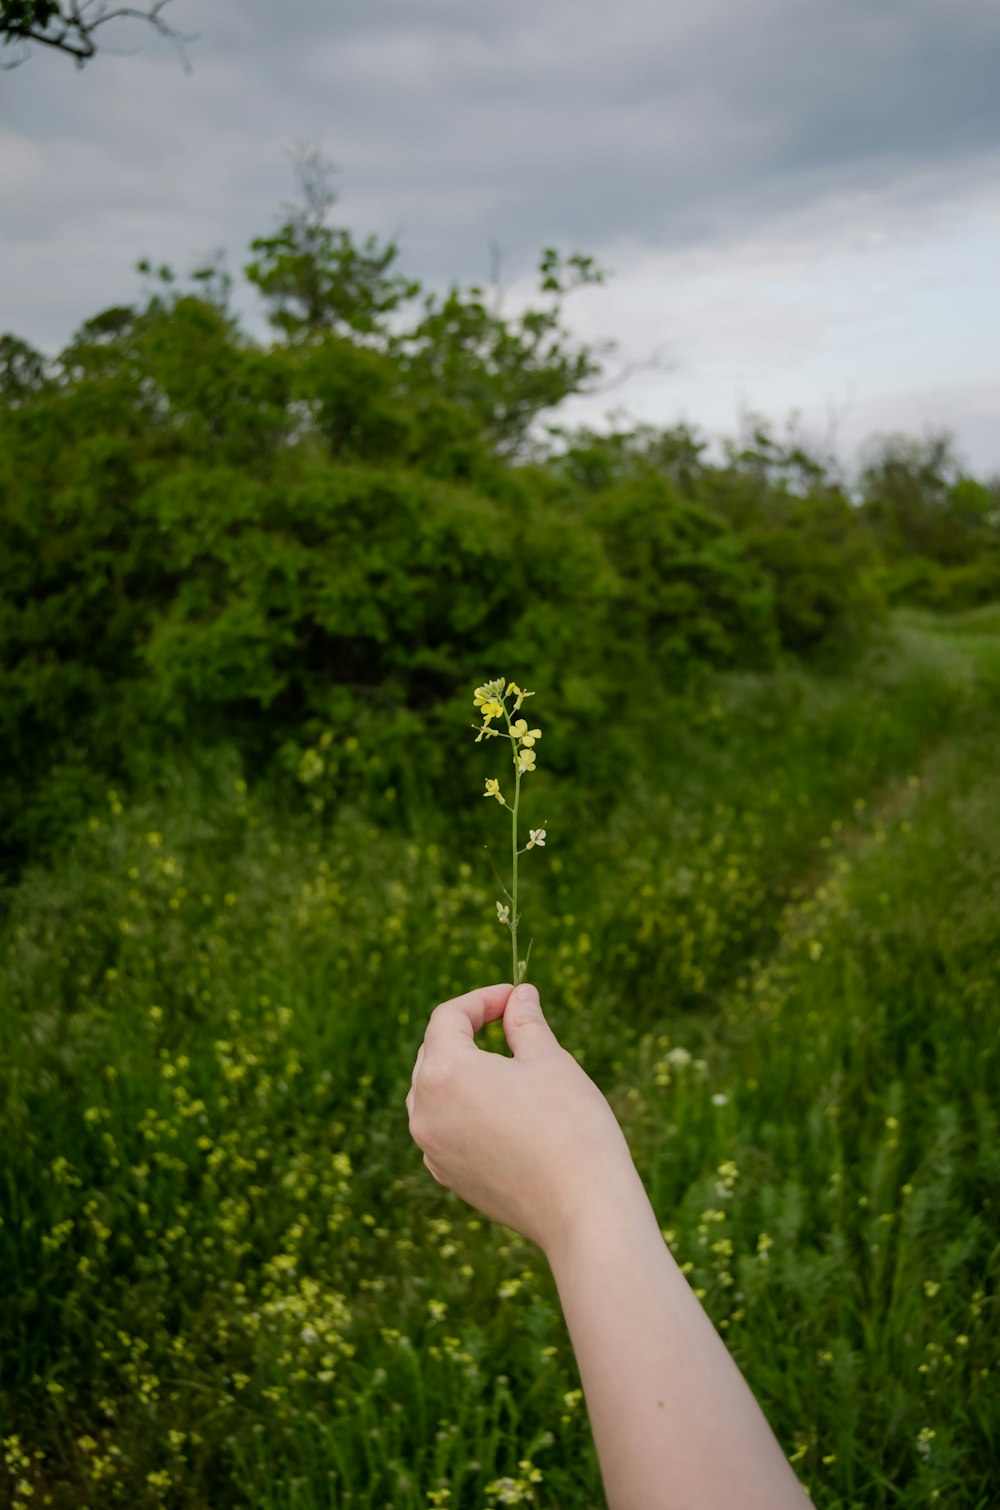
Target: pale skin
{"x": 531, "y": 1142}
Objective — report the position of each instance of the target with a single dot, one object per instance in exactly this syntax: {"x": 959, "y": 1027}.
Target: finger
{"x": 413, "y": 1082}
{"x": 524, "y": 1024}
{"x": 430, "y": 1169}
{"x": 462, "y": 1018}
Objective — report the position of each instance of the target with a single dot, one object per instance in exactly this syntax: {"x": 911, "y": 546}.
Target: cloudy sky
{"x": 799, "y": 200}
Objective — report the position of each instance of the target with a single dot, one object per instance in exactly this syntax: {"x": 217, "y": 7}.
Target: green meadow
{"x": 229, "y": 1280}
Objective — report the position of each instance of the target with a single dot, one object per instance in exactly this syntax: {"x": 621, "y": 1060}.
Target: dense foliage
{"x": 203, "y": 536}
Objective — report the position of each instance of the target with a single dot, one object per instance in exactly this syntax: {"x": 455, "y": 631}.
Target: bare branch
{"x": 656, "y": 362}
{"x": 71, "y": 27}
{"x": 496, "y": 283}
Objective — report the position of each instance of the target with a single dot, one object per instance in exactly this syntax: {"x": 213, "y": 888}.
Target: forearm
{"x": 675, "y": 1424}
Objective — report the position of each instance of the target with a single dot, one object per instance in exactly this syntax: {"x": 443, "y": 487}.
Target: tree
{"x": 504, "y": 370}
{"x": 313, "y": 276}
{"x": 507, "y": 370}
{"x": 23, "y": 370}
{"x": 919, "y": 501}
{"x": 71, "y": 26}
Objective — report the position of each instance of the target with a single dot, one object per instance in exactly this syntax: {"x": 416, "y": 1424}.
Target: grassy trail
{"x": 860, "y": 1071}
{"x": 229, "y": 1281}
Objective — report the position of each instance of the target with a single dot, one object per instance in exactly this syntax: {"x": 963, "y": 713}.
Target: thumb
{"x": 524, "y": 1023}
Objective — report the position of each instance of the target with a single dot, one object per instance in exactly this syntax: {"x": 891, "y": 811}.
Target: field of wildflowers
{"x": 228, "y": 1280}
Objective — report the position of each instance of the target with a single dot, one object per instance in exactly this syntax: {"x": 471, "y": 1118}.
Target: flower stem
{"x": 513, "y": 852}
{"x": 516, "y": 972}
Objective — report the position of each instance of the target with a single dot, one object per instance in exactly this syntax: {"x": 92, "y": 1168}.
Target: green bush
{"x": 813, "y": 545}
{"x": 205, "y": 539}
{"x": 950, "y": 589}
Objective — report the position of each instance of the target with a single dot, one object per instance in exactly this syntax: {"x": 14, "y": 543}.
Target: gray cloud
{"x": 628, "y": 131}
{"x": 586, "y": 125}
{"x": 568, "y": 122}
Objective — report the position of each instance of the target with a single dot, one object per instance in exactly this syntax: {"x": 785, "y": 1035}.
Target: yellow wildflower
{"x": 536, "y": 836}
{"x": 493, "y": 790}
{"x": 526, "y": 760}
{"x": 512, "y": 687}
{"x": 521, "y": 731}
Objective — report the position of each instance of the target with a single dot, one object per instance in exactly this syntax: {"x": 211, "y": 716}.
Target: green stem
{"x": 513, "y": 852}
{"x": 516, "y": 972}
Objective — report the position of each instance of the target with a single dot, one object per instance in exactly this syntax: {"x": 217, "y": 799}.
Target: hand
{"x": 530, "y": 1141}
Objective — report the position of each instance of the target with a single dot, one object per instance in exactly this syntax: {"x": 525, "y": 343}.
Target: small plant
{"x": 491, "y": 703}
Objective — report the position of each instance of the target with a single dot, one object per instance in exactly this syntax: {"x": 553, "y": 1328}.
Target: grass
{"x": 229, "y": 1280}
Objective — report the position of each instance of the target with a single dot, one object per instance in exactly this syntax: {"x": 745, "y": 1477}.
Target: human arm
{"x": 531, "y": 1142}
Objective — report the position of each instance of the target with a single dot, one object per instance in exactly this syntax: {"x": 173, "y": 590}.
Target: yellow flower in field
{"x": 521, "y": 731}
{"x": 489, "y": 692}
{"x": 512, "y": 687}
{"x": 492, "y": 702}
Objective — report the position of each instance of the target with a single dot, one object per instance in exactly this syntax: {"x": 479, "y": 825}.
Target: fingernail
{"x": 526, "y": 992}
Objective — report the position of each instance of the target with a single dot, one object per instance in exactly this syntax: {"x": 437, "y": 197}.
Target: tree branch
{"x": 71, "y": 27}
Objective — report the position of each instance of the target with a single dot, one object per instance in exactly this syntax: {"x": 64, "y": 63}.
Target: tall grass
{"x": 228, "y": 1279}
